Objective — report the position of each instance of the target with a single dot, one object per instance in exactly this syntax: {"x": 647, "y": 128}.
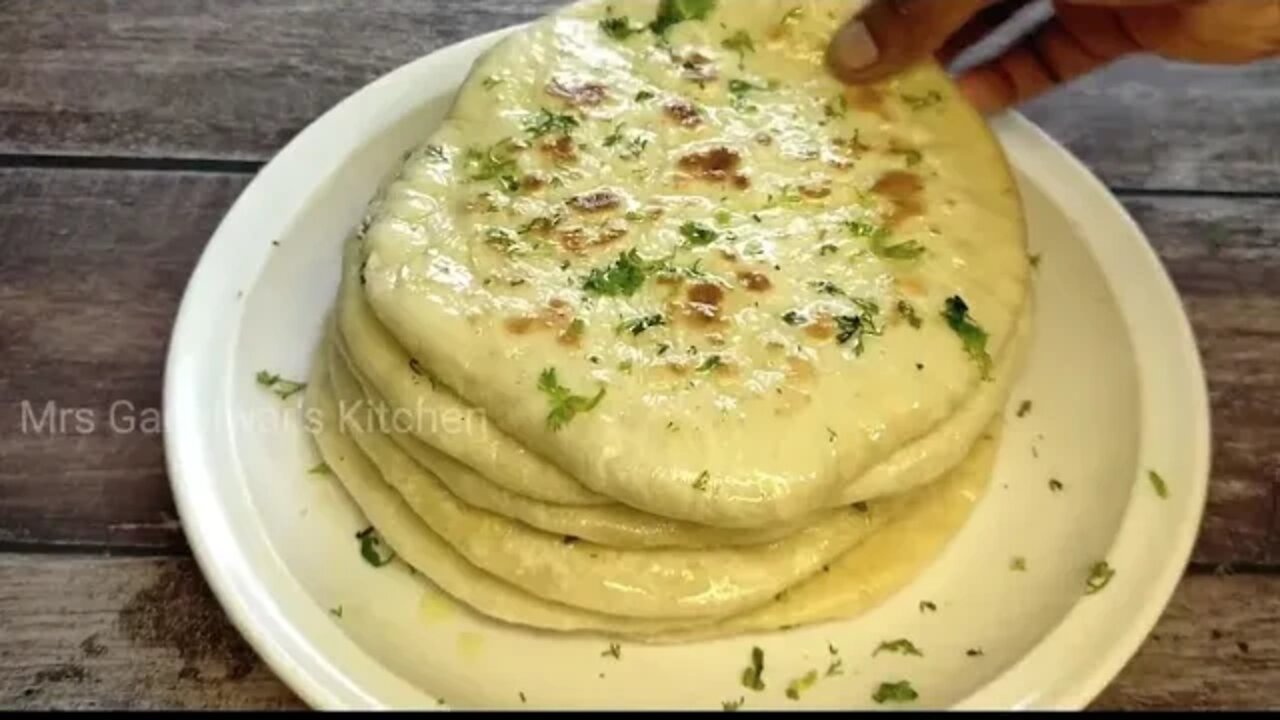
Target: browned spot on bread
{"x": 533, "y": 181}
{"x": 903, "y": 190}
{"x": 557, "y": 315}
{"x": 580, "y": 94}
{"x": 755, "y": 281}
{"x": 868, "y": 98}
{"x": 716, "y": 165}
{"x": 816, "y": 189}
{"x": 742, "y": 182}
{"x": 684, "y": 113}
{"x": 596, "y": 201}
{"x": 612, "y": 231}
{"x": 704, "y": 302}
{"x": 519, "y": 325}
{"x": 824, "y": 328}
{"x": 561, "y": 149}
{"x": 573, "y": 239}
{"x": 800, "y": 369}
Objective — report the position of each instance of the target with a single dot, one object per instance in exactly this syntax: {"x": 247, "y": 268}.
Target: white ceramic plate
{"x": 1114, "y": 378}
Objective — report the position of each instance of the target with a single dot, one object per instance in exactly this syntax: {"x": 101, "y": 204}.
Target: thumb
{"x": 891, "y": 35}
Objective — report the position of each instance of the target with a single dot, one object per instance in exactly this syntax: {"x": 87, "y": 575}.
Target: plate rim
{"x": 297, "y": 659}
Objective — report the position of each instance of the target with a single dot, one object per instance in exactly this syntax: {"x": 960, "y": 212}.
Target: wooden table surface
{"x": 127, "y": 128}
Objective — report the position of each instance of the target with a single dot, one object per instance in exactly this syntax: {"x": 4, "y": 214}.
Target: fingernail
{"x": 853, "y": 47}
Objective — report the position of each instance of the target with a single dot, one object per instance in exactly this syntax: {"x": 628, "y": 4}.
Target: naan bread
{"x": 917, "y": 527}
{"x": 695, "y": 274}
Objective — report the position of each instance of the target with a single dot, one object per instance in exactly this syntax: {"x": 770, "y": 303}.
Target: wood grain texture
{"x": 92, "y": 267}
{"x": 236, "y": 79}
{"x": 95, "y": 263}
{"x": 146, "y": 633}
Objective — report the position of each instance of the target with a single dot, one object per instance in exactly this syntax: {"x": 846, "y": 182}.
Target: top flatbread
{"x": 752, "y": 270}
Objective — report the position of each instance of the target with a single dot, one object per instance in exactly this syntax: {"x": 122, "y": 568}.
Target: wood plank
{"x": 236, "y": 79}
{"x": 140, "y": 233}
{"x": 79, "y": 632}
{"x": 94, "y": 267}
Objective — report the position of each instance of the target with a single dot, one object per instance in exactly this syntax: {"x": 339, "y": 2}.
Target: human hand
{"x": 1083, "y": 36}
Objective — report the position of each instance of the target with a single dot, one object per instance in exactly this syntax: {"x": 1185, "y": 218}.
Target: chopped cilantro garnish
{"x": 320, "y": 469}
{"x": 1158, "y": 483}
{"x": 793, "y": 16}
{"x": 927, "y": 606}
{"x": 861, "y": 228}
{"x": 753, "y": 677}
{"x": 973, "y": 336}
{"x": 614, "y": 651}
{"x": 909, "y": 250}
{"x": 837, "y": 108}
{"x": 544, "y": 121}
{"x": 1055, "y": 485}
{"x": 920, "y": 102}
{"x": 794, "y": 318}
{"x": 523, "y": 699}
{"x": 711, "y": 363}
{"x": 285, "y": 389}
{"x": 619, "y": 28}
{"x": 336, "y": 612}
{"x": 615, "y": 137}
{"x": 491, "y": 82}
{"x": 1018, "y": 564}
{"x": 902, "y": 646}
{"x": 703, "y": 480}
{"x": 495, "y": 163}
{"x": 974, "y": 652}
{"x": 373, "y": 549}
{"x": 1099, "y": 576}
{"x": 637, "y": 326}
{"x": 623, "y": 277}
{"x": 856, "y": 327}
{"x": 741, "y": 43}
{"x": 644, "y": 95}
{"x": 674, "y": 12}
{"x": 564, "y": 404}
{"x": 836, "y": 665}
{"x": 1024, "y": 408}
{"x": 698, "y": 234}
{"x": 732, "y": 705}
{"x": 908, "y": 312}
{"x": 802, "y": 683}
{"x": 898, "y": 692}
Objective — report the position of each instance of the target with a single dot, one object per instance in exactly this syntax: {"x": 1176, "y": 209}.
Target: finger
{"x": 983, "y": 24}
{"x": 1078, "y": 41}
{"x": 901, "y": 33}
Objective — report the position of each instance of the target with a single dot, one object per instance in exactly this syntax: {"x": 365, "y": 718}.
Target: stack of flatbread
{"x": 666, "y": 333}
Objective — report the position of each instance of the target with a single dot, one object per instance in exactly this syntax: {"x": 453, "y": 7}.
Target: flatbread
{"x": 763, "y": 211}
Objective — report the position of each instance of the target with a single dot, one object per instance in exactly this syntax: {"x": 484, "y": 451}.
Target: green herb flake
{"x": 794, "y": 318}
{"x": 637, "y": 326}
{"x": 895, "y": 692}
{"x": 837, "y": 108}
{"x": 494, "y": 163}
{"x": 336, "y": 612}
{"x": 974, "y": 652}
{"x": 741, "y": 43}
{"x": 861, "y": 228}
{"x": 836, "y": 665}
{"x": 711, "y": 363}
{"x": 544, "y": 122}
{"x": 674, "y": 12}
{"x": 703, "y": 481}
{"x": 492, "y": 82}
{"x": 732, "y": 705}
{"x": 753, "y": 676}
{"x": 1024, "y": 409}
{"x": 802, "y": 683}
{"x": 320, "y": 469}
{"x": 615, "y": 137}
{"x": 1018, "y": 564}
{"x": 793, "y": 16}
{"x": 373, "y": 548}
{"x": 1099, "y": 577}
{"x": 1158, "y": 483}
{"x": 619, "y": 28}
{"x": 645, "y": 95}
{"x": 971, "y": 335}
{"x": 698, "y": 234}
{"x": 908, "y": 313}
{"x": 1055, "y": 485}
{"x": 523, "y": 699}
{"x": 614, "y": 651}
{"x": 922, "y": 102}
{"x": 564, "y": 405}
{"x": 926, "y": 606}
{"x": 1035, "y": 260}
{"x": 284, "y": 389}
{"x": 622, "y": 278}
{"x": 909, "y": 250}
{"x": 901, "y": 646}
{"x": 723, "y": 217}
